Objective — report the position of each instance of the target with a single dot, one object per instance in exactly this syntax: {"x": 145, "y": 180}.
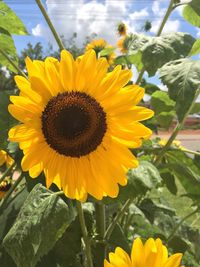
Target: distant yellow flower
{"x": 176, "y": 143}
{"x": 77, "y": 123}
{"x": 152, "y": 254}
{"x": 122, "y": 29}
{"x": 4, "y": 187}
{"x": 98, "y": 45}
{"x": 5, "y": 158}
{"x": 121, "y": 44}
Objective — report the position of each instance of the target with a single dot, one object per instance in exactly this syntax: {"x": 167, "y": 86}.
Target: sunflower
{"x": 122, "y": 29}
{"x": 122, "y": 44}
{"x": 4, "y": 187}
{"x": 77, "y": 122}
{"x": 175, "y": 143}
{"x": 100, "y": 44}
{"x": 5, "y": 158}
{"x": 152, "y": 254}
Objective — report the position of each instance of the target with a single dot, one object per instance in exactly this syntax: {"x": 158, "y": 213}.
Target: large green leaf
{"x": 6, "y": 120}
{"x": 8, "y": 46}
{"x": 160, "y": 50}
{"x": 42, "y": 220}
{"x": 182, "y": 78}
{"x": 192, "y": 12}
{"x": 140, "y": 180}
{"x": 10, "y": 21}
{"x": 195, "y": 48}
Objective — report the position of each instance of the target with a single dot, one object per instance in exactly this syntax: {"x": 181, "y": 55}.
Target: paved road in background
{"x": 190, "y": 141}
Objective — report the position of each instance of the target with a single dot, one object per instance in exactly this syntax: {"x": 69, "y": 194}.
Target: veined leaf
{"x": 8, "y": 46}
{"x": 192, "y": 13}
{"x": 182, "y": 78}
{"x": 195, "y": 48}
{"x": 160, "y": 102}
{"x": 42, "y": 220}
{"x": 107, "y": 51}
{"x": 10, "y": 21}
{"x": 162, "y": 49}
{"x": 140, "y": 180}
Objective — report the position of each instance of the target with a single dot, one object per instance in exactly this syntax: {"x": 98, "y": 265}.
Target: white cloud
{"x": 198, "y": 33}
{"x": 170, "y": 26}
{"x": 159, "y": 11}
{"x": 85, "y": 18}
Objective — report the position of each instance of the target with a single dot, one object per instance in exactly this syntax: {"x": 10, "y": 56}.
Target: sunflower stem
{"x": 100, "y": 228}
{"x": 53, "y": 30}
{"x": 180, "y": 223}
{"x": 167, "y": 14}
{"x": 116, "y": 219}
{"x": 86, "y": 238}
{"x": 13, "y": 64}
{"x": 7, "y": 172}
{"x": 178, "y": 127}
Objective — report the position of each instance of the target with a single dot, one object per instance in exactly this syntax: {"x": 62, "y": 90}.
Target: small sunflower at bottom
{"x": 100, "y": 44}
{"x": 175, "y": 143}
{"x": 77, "y": 124}
{"x": 151, "y": 254}
{"x": 5, "y": 158}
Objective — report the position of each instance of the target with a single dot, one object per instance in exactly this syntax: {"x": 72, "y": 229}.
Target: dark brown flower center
{"x": 73, "y": 124}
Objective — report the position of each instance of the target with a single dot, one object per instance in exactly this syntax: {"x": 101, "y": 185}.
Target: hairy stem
{"x": 116, "y": 219}
{"x": 13, "y": 63}
{"x": 53, "y": 30}
{"x": 178, "y": 127}
{"x": 180, "y": 223}
{"x": 85, "y": 234}
{"x": 167, "y": 14}
{"x": 100, "y": 228}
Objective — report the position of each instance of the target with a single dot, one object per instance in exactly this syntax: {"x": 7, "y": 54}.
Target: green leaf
{"x": 6, "y": 121}
{"x": 191, "y": 13}
{"x": 165, "y": 119}
{"x": 195, "y": 108}
{"x": 163, "y": 107}
{"x": 10, "y": 21}
{"x": 42, "y": 220}
{"x": 136, "y": 60}
{"x": 8, "y": 46}
{"x": 195, "y": 48}
{"x": 169, "y": 181}
{"x": 182, "y": 78}
{"x": 150, "y": 88}
{"x": 186, "y": 171}
{"x": 162, "y": 49}
{"x": 140, "y": 180}
{"x": 160, "y": 102}
{"x": 107, "y": 51}
{"x": 136, "y": 42}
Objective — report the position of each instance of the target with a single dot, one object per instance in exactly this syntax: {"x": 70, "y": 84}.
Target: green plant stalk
{"x": 7, "y": 172}
{"x": 13, "y": 64}
{"x": 149, "y": 149}
{"x": 11, "y": 190}
{"x": 85, "y": 234}
{"x": 53, "y": 30}
{"x": 100, "y": 228}
{"x": 178, "y": 127}
{"x": 167, "y": 14}
{"x": 116, "y": 219}
{"x": 180, "y": 223}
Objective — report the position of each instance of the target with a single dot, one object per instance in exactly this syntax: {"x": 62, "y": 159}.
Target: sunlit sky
{"x": 100, "y": 17}
{"x": 95, "y": 16}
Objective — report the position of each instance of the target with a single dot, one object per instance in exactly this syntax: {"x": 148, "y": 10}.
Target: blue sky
{"x": 86, "y": 17}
